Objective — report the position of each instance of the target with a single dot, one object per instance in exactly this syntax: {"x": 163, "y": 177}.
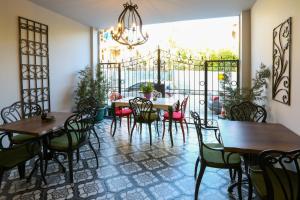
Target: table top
{"x": 35, "y": 126}
{"x": 162, "y": 103}
{"x": 254, "y": 137}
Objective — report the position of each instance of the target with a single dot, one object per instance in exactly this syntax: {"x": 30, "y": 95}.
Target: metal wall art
{"x": 34, "y": 63}
{"x": 281, "y": 62}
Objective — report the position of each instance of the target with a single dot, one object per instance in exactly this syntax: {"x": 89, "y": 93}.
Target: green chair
{"x": 143, "y": 112}
{"x": 278, "y": 175}
{"x": 18, "y": 154}
{"x": 16, "y": 112}
{"x": 213, "y": 155}
{"x": 92, "y": 104}
{"x": 74, "y": 135}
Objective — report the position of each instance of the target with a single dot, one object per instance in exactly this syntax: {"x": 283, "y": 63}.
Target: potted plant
{"x": 147, "y": 89}
{"x": 253, "y": 94}
{"x": 99, "y": 91}
{"x": 97, "y": 87}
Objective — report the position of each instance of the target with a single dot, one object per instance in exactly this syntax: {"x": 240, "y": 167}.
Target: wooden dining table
{"x": 253, "y": 137}
{"x": 167, "y": 104}
{"x": 35, "y": 126}
{"x": 250, "y": 138}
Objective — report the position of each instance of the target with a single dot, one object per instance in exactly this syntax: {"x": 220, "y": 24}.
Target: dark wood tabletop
{"x": 36, "y": 126}
{"x": 253, "y": 137}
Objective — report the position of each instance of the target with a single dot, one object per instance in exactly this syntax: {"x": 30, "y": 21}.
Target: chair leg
{"x": 1, "y": 175}
{"x": 164, "y": 128}
{"x": 77, "y": 155}
{"x": 156, "y": 127}
{"x": 196, "y": 167}
{"x": 33, "y": 170}
{"x": 128, "y": 124}
{"x": 141, "y": 128}
{"x": 240, "y": 184}
{"x": 91, "y": 146}
{"x": 187, "y": 126}
{"x": 181, "y": 125}
{"x": 70, "y": 160}
{"x": 199, "y": 178}
{"x": 134, "y": 124}
{"x": 97, "y": 137}
{"x": 59, "y": 163}
{"x": 149, "y": 125}
{"x": 21, "y": 169}
{"x": 176, "y": 126}
{"x": 111, "y": 126}
{"x": 120, "y": 121}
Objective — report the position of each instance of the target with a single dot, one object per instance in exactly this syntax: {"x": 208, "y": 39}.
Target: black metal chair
{"x": 248, "y": 111}
{"x": 16, "y": 112}
{"x": 18, "y": 154}
{"x": 278, "y": 177}
{"x": 251, "y": 112}
{"x": 213, "y": 155}
{"x": 75, "y": 135}
{"x": 92, "y": 104}
{"x": 143, "y": 112}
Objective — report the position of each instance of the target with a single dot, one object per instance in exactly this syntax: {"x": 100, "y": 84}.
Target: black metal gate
{"x": 177, "y": 76}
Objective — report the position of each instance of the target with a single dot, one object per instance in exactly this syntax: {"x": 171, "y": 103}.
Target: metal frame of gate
{"x": 176, "y": 75}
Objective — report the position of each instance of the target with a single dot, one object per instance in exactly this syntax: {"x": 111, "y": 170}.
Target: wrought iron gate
{"x": 178, "y": 76}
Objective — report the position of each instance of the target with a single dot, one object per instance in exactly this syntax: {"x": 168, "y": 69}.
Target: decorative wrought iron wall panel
{"x": 200, "y": 79}
{"x": 281, "y": 62}
{"x": 34, "y": 63}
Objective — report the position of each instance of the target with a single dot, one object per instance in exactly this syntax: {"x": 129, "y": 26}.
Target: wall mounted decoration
{"x": 34, "y": 63}
{"x": 281, "y": 91}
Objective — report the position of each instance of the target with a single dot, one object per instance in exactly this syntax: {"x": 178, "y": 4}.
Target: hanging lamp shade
{"x": 129, "y": 29}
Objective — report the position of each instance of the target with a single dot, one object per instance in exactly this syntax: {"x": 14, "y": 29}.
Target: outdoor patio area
{"x": 137, "y": 171}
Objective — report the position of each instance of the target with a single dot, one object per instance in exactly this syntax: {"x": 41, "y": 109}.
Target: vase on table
{"x": 147, "y": 95}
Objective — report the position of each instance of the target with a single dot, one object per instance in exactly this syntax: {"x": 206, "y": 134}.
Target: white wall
{"x": 266, "y": 15}
{"x": 69, "y": 51}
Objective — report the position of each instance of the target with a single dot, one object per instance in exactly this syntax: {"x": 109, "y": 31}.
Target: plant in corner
{"x": 100, "y": 90}
{"x": 253, "y": 94}
{"x": 147, "y": 89}
{"x": 90, "y": 87}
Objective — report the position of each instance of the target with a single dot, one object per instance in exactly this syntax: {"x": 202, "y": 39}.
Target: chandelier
{"x": 129, "y": 29}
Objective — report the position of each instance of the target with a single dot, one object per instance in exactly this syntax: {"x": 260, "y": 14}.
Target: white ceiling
{"x": 104, "y": 13}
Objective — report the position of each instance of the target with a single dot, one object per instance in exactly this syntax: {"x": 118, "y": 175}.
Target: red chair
{"x": 178, "y": 116}
{"x": 122, "y": 112}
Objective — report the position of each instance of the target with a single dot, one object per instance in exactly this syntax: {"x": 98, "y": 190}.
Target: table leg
{"x": 170, "y": 110}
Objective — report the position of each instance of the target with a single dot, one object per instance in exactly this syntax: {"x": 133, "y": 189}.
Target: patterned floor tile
{"x": 90, "y": 189}
{"x": 118, "y": 183}
{"x": 135, "y": 194}
{"x": 60, "y": 193}
{"x": 130, "y": 168}
{"x": 164, "y": 191}
{"x": 145, "y": 178}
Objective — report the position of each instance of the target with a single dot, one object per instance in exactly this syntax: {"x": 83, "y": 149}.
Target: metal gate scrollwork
{"x": 34, "y": 63}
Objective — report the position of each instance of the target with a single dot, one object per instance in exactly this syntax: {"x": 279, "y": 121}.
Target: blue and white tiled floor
{"x": 126, "y": 171}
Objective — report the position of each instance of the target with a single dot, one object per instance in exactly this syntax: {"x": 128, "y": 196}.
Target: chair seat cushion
{"x": 215, "y": 156}
{"x": 259, "y": 183}
{"x": 61, "y": 143}
{"x": 123, "y": 112}
{"x": 176, "y": 115}
{"x": 16, "y": 155}
{"x": 144, "y": 117}
{"x": 21, "y": 138}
